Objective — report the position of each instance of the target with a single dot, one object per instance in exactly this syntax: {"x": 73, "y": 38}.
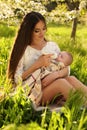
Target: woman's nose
{"x": 41, "y": 32}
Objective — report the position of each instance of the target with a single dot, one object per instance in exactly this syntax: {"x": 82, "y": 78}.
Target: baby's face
{"x": 62, "y": 57}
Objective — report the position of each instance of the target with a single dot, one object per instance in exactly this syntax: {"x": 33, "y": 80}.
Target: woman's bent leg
{"x": 58, "y": 86}
{"x": 76, "y": 83}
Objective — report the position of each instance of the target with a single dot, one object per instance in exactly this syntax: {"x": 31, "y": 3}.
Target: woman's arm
{"x": 55, "y": 75}
{"x": 63, "y": 72}
{"x": 43, "y": 60}
{"x": 21, "y": 75}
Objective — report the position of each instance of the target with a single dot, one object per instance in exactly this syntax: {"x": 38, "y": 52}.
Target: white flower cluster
{"x": 37, "y": 6}
{"x": 72, "y": 14}
{"x": 83, "y": 5}
{"x": 5, "y": 11}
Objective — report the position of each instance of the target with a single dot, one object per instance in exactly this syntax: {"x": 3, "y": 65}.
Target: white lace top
{"x": 30, "y": 56}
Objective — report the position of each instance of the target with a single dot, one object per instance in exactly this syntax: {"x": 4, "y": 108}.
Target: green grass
{"x": 16, "y": 113}
{"x": 7, "y": 35}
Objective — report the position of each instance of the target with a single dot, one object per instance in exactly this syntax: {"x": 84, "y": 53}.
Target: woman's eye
{"x": 36, "y": 31}
{"x": 44, "y": 28}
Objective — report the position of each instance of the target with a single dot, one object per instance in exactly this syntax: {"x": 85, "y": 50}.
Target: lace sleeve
{"x": 19, "y": 71}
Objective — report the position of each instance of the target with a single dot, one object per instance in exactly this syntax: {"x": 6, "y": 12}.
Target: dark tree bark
{"x": 51, "y": 6}
{"x": 71, "y": 6}
{"x": 74, "y": 27}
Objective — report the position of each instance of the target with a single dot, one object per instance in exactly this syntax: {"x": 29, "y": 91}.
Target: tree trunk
{"x": 74, "y": 26}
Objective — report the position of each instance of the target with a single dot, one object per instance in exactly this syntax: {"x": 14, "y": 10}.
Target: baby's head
{"x": 65, "y": 57}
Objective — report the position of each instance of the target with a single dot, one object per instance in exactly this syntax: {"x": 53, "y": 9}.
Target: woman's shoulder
{"x": 29, "y": 49}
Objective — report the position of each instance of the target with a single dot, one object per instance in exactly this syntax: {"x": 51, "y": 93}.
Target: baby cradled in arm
{"x": 58, "y": 62}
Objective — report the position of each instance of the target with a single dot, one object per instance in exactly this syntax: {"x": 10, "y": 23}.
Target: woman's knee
{"x": 63, "y": 83}
{"x": 61, "y": 80}
{"x": 70, "y": 78}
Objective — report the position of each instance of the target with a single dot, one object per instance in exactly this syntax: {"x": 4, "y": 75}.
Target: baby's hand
{"x": 54, "y": 56}
{"x": 44, "y": 60}
{"x": 61, "y": 65}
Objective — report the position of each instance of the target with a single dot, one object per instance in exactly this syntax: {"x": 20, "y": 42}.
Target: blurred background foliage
{"x": 59, "y": 11}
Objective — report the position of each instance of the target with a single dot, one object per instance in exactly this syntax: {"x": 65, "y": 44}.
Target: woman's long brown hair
{"x": 23, "y": 39}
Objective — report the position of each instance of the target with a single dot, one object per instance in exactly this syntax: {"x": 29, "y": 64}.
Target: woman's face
{"x": 39, "y": 32}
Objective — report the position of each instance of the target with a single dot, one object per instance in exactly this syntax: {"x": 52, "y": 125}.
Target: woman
{"x": 26, "y": 57}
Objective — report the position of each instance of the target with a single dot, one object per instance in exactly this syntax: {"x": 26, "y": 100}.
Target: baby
{"x": 63, "y": 59}
{"x": 59, "y": 62}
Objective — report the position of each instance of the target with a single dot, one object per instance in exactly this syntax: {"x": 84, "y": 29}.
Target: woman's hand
{"x": 44, "y": 60}
{"x": 49, "y": 79}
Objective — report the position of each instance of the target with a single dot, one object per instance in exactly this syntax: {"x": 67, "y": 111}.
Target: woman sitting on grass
{"x": 26, "y": 58}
